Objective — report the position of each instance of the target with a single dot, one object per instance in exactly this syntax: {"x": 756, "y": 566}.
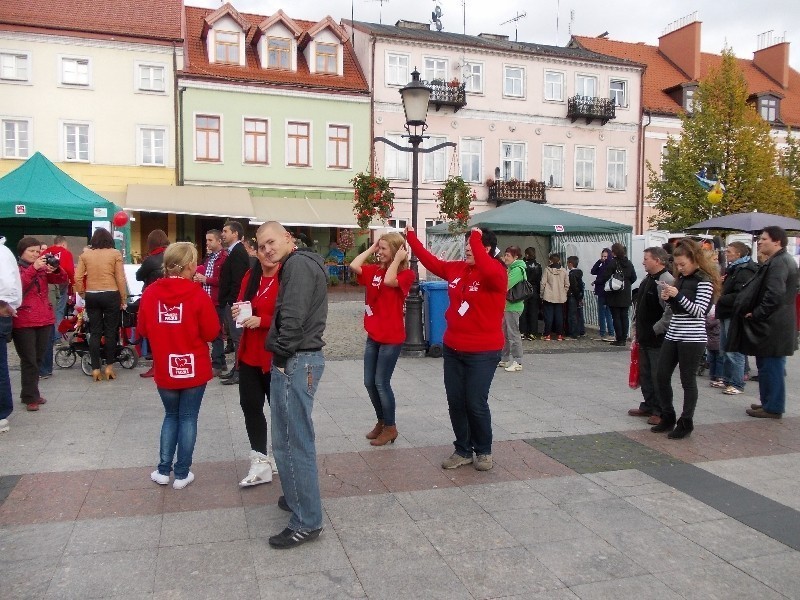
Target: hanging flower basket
{"x": 454, "y": 203}
{"x": 372, "y": 197}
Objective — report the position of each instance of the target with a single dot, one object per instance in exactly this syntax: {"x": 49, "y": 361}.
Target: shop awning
{"x": 208, "y": 201}
{"x": 309, "y": 212}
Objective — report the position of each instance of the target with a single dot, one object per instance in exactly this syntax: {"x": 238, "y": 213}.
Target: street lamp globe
{"x": 415, "y": 101}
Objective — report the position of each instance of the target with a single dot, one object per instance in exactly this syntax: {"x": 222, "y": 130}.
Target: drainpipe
{"x": 371, "y": 105}
{"x": 179, "y": 133}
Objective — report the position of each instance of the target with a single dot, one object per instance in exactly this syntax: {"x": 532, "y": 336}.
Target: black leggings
{"x": 619, "y": 314}
{"x": 103, "y": 309}
{"x": 253, "y": 390}
{"x": 687, "y": 356}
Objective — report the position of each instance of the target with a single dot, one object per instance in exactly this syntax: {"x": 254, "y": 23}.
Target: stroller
{"x": 75, "y": 328}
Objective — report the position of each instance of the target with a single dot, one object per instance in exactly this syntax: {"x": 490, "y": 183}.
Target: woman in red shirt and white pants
{"x": 387, "y": 284}
{"x": 260, "y": 289}
{"x": 179, "y": 319}
{"x": 472, "y": 340}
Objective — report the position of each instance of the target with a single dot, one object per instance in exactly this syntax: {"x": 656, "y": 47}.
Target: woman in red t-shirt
{"x": 387, "y": 284}
{"x": 260, "y": 288}
{"x": 179, "y": 319}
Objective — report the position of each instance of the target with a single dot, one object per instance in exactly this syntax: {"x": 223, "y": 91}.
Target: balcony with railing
{"x": 508, "y": 191}
{"x": 447, "y": 94}
{"x": 591, "y": 108}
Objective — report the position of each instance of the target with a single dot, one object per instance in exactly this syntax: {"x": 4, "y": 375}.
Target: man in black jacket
{"x": 650, "y": 322}
{"x": 295, "y": 340}
{"x": 230, "y": 280}
{"x": 529, "y": 319}
{"x": 765, "y": 322}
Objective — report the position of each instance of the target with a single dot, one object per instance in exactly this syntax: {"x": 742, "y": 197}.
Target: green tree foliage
{"x": 727, "y": 136}
{"x": 790, "y": 165}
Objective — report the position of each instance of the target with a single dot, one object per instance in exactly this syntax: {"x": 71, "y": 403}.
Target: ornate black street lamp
{"x": 415, "y": 97}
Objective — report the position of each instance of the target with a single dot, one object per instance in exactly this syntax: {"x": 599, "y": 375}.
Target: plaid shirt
{"x": 212, "y": 258}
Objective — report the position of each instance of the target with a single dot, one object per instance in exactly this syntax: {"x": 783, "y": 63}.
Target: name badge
{"x": 368, "y": 310}
{"x": 462, "y": 310}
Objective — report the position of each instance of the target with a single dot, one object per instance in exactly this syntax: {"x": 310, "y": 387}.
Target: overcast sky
{"x": 735, "y": 22}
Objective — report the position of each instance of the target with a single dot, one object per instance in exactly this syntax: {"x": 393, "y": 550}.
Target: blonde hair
{"x": 395, "y": 241}
{"x": 178, "y": 256}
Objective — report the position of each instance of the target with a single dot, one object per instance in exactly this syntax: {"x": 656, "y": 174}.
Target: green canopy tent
{"x": 38, "y": 197}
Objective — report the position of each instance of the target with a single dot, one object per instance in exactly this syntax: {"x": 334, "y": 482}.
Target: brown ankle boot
{"x": 376, "y": 431}
{"x": 389, "y": 434}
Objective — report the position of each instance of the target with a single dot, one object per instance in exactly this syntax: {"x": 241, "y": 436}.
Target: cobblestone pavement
{"x": 583, "y": 501}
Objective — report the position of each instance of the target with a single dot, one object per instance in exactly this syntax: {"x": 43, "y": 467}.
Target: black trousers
{"x": 619, "y": 314}
{"x": 686, "y": 356}
{"x": 31, "y": 344}
{"x": 529, "y": 319}
{"x": 103, "y": 309}
{"x": 253, "y": 390}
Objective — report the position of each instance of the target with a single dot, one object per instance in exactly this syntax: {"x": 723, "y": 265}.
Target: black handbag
{"x": 522, "y": 290}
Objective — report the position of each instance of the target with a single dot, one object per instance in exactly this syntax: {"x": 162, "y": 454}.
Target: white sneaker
{"x": 732, "y": 391}
{"x": 4, "y": 425}
{"x": 503, "y": 364}
{"x": 260, "y": 470}
{"x": 514, "y": 366}
{"x": 159, "y": 478}
{"x": 179, "y": 484}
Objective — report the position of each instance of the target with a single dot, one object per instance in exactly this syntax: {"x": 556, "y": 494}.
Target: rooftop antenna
{"x": 571, "y": 21}
{"x": 515, "y": 20}
{"x": 436, "y": 16}
{"x": 558, "y": 12}
{"x": 380, "y": 12}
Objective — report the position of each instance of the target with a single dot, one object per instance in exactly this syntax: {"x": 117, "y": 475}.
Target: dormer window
{"x": 227, "y": 47}
{"x": 768, "y": 108}
{"x": 326, "y": 58}
{"x": 279, "y": 53}
{"x": 688, "y": 98}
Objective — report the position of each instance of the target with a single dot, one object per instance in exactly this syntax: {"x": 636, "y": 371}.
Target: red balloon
{"x": 121, "y": 219}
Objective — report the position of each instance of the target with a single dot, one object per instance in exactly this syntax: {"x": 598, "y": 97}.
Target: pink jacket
{"x": 36, "y": 310}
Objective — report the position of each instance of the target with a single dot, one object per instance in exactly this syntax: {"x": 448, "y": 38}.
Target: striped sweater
{"x": 689, "y": 308}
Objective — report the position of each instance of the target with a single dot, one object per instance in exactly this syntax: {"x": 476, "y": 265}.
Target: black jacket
{"x": 232, "y": 273}
{"x": 770, "y": 297}
{"x": 533, "y": 272}
{"x": 152, "y": 269}
{"x": 736, "y": 278}
{"x": 652, "y": 313}
{"x": 620, "y": 298}
{"x": 576, "y": 286}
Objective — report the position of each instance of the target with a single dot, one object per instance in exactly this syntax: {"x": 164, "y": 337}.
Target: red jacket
{"x": 213, "y": 281}
{"x": 252, "y": 350}
{"x": 385, "y": 321}
{"x": 477, "y": 296}
{"x": 178, "y": 319}
{"x": 36, "y": 310}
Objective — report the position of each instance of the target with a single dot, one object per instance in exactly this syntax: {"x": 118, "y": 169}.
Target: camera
{"x": 52, "y": 261}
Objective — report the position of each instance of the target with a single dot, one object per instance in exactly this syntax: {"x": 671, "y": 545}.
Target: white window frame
{"x": 140, "y": 130}
{"x": 395, "y": 162}
{"x": 137, "y": 77}
{"x": 63, "y": 125}
{"x": 579, "y": 89}
{"x": 62, "y": 59}
{"x": 613, "y": 95}
{"x": 476, "y": 177}
{"x": 545, "y": 172}
{"x": 688, "y": 98}
{"x": 394, "y": 75}
{"x": 15, "y": 55}
{"x": 238, "y": 44}
{"x": 432, "y": 73}
{"x": 16, "y": 121}
{"x": 584, "y": 163}
{"x": 616, "y": 164}
{"x": 470, "y": 71}
{"x": 768, "y": 105}
{"x": 562, "y": 86}
{"x": 521, "y": 161}
{"x": 521, "y": 81}
{"x": 310, "y": 124}
{"x": 317, "y": 55}
{"x": 268, "y": 142}
{"x": 328, "y": 157}
{"x": 434, "y": 161}
{"x": 211, "y": 161}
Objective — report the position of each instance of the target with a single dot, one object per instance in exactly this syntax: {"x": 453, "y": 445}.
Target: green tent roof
{"x": 38, "y": 189}
{"x": 537, "y": 219}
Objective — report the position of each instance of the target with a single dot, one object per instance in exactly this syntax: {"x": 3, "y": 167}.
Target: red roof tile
{"x": 148, "y": 19}
{"x": 197, "y": 64}
{"x": 661, "y": 75}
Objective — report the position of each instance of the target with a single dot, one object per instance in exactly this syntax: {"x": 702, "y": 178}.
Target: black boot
{"x": 667, "y": 424}
{"x": 683, "y": 428}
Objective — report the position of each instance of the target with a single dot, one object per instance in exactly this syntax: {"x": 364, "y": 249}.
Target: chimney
{"x": 773, "y": 58}
{"x": 680, "y": 43}
{"x": 493, "y": 36}
{"x": 413, "y": 25}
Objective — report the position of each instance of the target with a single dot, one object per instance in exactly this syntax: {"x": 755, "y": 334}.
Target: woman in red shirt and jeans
{"x": 472, "y": 340}
{"x": 260, "y": 288}
{"x": 387, "y": 284}
{"x": 179, "y": 319}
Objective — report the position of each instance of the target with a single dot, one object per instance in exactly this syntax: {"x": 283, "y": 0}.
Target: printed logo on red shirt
{"x": 170, "y": 314}
{"x": 376, "y": 281}
{"x": 473, "y": 287}
{"x": 454, "y": 283}
{"x": 181, "y": 366}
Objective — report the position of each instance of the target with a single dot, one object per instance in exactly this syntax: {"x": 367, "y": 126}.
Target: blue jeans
{"x": 179, "y": 428}
{"x": 732, "y": 362}
{"x": 61, "y": 308}
{"x": 291, "y": 402}
{"x": 553, "y": 318}
{"x": 604, "y": 319}
{"x": 218, "y": 345}
{"x": 46, "y": 366}
{"x": 772, "y": 382}
{"x": 577, "y": 327}
{"x": 715, "y": 366}
{"x": 379, "y": 362}
{"x": 467, "y": 379}
{"x": 6, "y": 400}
